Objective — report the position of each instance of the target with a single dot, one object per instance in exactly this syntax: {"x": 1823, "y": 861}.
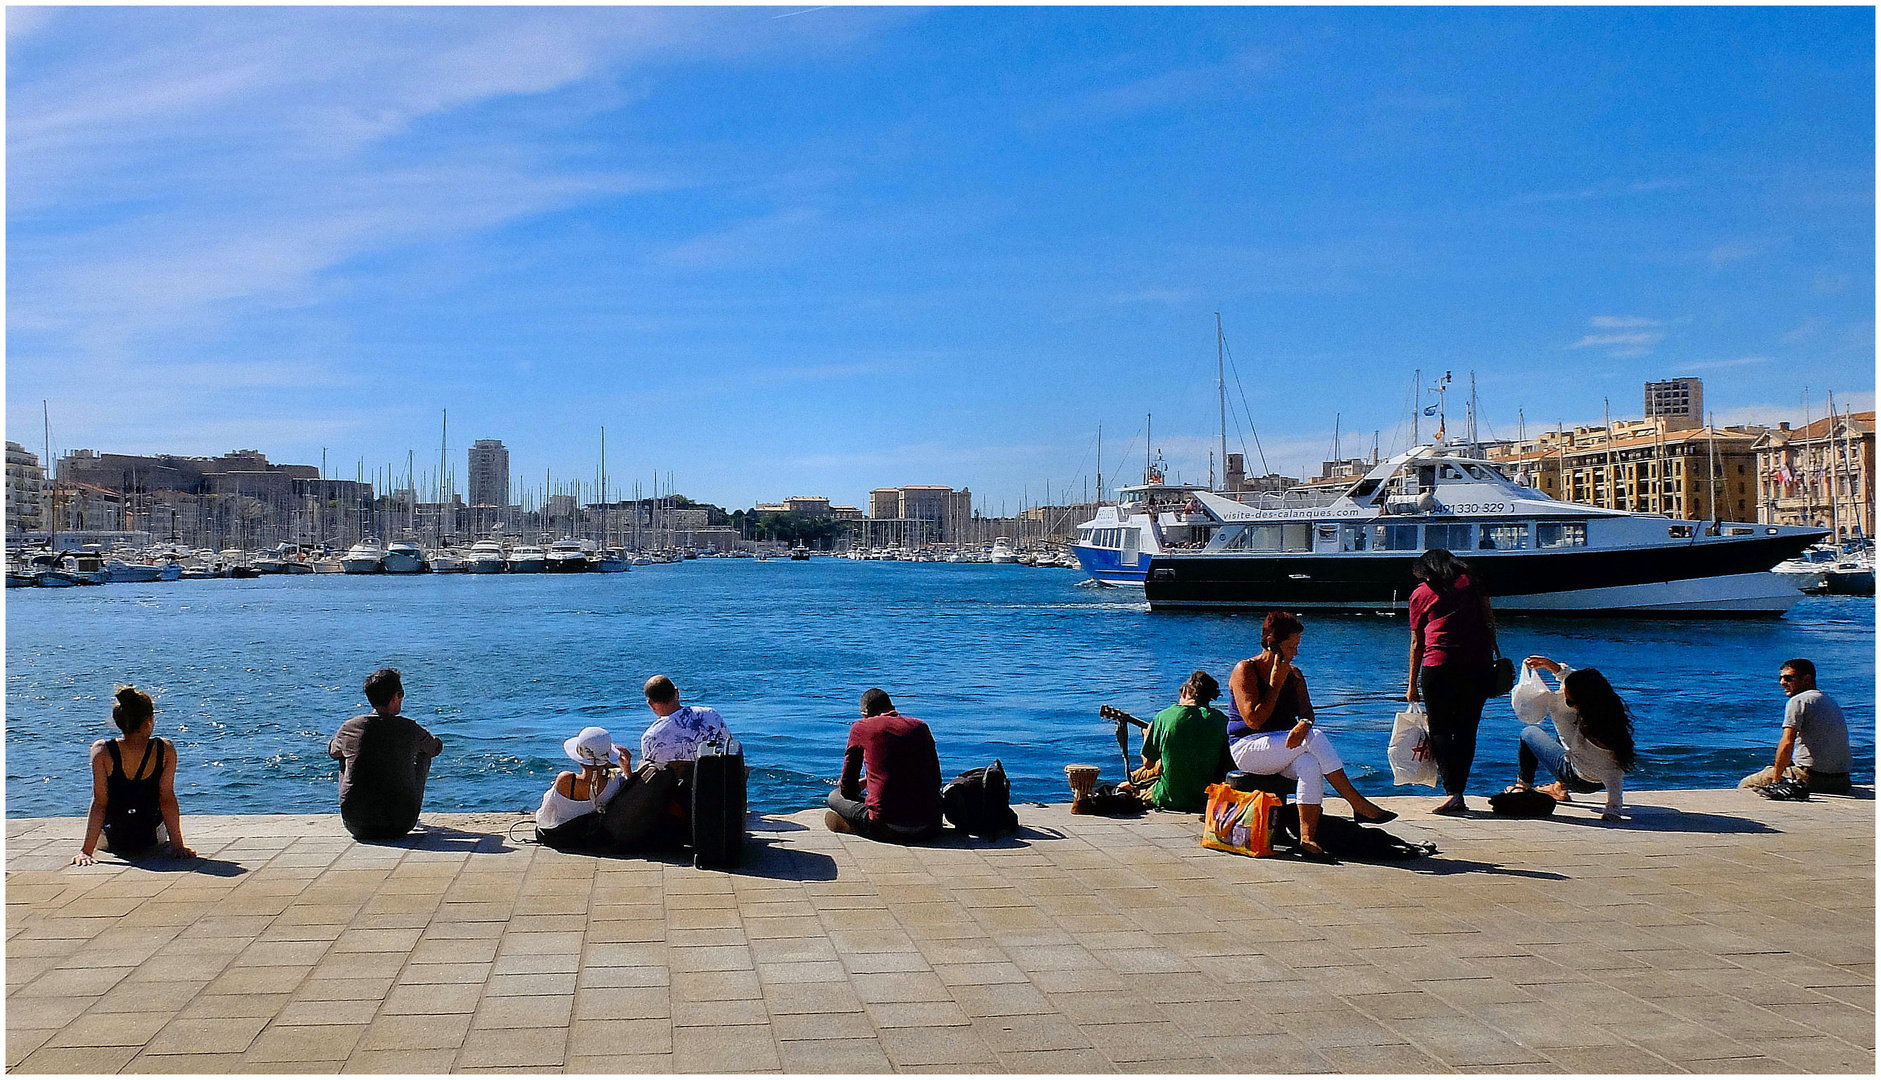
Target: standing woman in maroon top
{"x": 1452, "y": 665}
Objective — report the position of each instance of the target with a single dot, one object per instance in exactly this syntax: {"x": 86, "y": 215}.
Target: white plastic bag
{"x": 1531, "y": 697}
{"x": 1409, "y": 752}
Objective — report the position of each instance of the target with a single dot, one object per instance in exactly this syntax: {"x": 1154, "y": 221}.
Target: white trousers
{"x": 1307, "y": 763}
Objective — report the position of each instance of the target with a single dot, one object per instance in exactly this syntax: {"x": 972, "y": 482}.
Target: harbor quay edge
{"x": 1713, "y": 931}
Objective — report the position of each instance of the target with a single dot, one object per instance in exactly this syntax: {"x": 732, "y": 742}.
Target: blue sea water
{"x": 252, "y": 677}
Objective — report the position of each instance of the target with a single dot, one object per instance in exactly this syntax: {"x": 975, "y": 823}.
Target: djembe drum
{"x": 1083, "y": 779}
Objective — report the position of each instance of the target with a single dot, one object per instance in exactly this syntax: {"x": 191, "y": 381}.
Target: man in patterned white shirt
{"x": 680, "y": 730}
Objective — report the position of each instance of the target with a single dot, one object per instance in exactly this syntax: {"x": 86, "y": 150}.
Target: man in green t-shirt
{"x": 1186, "y": 749}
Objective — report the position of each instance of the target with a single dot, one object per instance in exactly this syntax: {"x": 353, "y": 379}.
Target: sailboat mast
{"x": 1221, "y": 387}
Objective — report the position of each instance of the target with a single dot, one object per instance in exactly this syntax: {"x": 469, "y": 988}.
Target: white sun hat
{"x": 594, "y": 746}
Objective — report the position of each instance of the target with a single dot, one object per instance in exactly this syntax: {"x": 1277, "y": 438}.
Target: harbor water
{"x": 252, "y": 677}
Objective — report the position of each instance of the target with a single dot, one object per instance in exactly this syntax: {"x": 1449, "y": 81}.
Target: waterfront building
{"x": 1821, "y": 474}
{"x": 489, "y": 473}
{"x": 919, "y": 514}
{"x": 26, "y": 491}
{"x": 246, "y": 471}
{"x": 1642, "y": 466}
{"x": 1680, "y": 401}
{"x": 1235, "y": 480}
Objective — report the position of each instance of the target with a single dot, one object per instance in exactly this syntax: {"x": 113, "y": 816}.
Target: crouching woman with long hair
{"x": 1593, "y": 745}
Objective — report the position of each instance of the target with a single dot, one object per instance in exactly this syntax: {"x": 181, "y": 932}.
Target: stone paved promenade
{"x": 1717, "y": 932}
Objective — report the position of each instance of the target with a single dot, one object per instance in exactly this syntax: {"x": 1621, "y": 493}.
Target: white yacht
{"x": 567, "y": 557}
{"x": 446, "y": 561}
{"x": 527, "y": 559}
{"x": 1532, "y": 553}
{"x": 1002, "y": 552}
{"x": 486, "y": 557}
{"x": 404, "y": 557}
{"x": 365, "y": 557}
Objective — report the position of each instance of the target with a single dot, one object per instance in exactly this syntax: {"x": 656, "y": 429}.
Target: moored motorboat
{"x": 565, "y": 557}
{"x": 1532, "y": 553}
{"x": 1002, "y": 552}
{"x": 608, "y": 562}
{"x": 404, "y": 557}
{"x": 365, "y": 557}
{"x": 486, "y": 557}
{"x": 527, "y": 559}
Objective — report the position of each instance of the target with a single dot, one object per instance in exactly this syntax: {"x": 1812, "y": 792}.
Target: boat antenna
{"x": 1147, "y": 417}
{"x": 1100, "y": 463}
{"x": 1417, "y": 400}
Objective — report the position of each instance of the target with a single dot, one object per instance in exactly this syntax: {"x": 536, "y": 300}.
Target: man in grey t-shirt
{"x": 1814, "y": 744}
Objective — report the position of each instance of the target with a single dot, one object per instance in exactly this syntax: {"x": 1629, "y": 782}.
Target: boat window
{"x": 1560, "y": 534}
{"x": 1394, "y": 537}
{"x": 1450, "y": 472}
{"x": 1363, "y": 490}
{"x": 1504, "y": 537}
{"x": 1329, "y": 532}
{"x": 1287, "y": 537}
{"x": 1679, "y": 532}
{"x": 1450, "y": 537}
{"x": 1355, "y": 537}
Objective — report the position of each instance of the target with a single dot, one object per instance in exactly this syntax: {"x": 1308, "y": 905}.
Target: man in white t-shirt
{"x": 681, "y": 729}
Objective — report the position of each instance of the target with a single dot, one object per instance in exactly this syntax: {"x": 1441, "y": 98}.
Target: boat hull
{"x": 1107, "y": 564}
{"x": 1707, "y": 579}
{"x": 402, "y": 562}
{"x": 527, "y": 566}
{"x": 361, "y": 566}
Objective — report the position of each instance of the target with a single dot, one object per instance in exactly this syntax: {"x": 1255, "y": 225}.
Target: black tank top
{"x": 131, "y": 811}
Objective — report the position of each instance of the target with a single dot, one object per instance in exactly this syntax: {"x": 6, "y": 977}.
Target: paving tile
{"x": 416, "y": 1032}
{"x": 725, "y": 1050}
{"x": 76, "y": 1059}
{"x": 533, "y": 1049}
{"x": 615, "y": 1064}
{"x": 109, "y": 1029}
{"x": 22, "y": 1041}
{"x": 551, "y": 1010}
{"x": 622, "y": 1003}
{"x": 848, "y": 1056}
{"x": 230, "y": 1035}
{"x": 599, "y": 1038}
{"x": 401, "y": 1061}
{"x": 432, "y": 999}
{"x": 331, "y": 1042}
{"x": 950, "y": 1046}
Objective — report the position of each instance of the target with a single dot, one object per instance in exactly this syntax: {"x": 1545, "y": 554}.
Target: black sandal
{"x": 1384, "y": 815}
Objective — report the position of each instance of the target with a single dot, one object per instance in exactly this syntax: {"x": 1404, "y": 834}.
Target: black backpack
{"x": 979, "y": 801}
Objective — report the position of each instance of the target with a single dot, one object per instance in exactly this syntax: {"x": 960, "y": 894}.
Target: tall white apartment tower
{"x": 489, "y": 473}
{"x": 1680, "y": 401}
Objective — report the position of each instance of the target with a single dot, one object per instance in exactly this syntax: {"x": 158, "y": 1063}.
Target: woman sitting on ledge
{"x": 133, "y": 806}
{"x": 570, "y": 817}
{"x": 1594, "y": 749}
{"x": 1271, "y": 730}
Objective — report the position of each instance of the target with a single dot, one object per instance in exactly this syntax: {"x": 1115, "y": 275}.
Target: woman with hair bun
{"x": 1453, "y": 636}
{"x": 133, "y": 806}
{"x": 1271, "y": 730}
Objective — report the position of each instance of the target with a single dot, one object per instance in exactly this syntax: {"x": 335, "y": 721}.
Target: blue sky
{"x": 781, "y": 251}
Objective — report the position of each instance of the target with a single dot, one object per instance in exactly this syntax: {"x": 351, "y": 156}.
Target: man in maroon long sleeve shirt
{"x": 901, "y": 800}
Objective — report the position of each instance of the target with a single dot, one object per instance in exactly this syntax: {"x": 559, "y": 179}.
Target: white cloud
{"x": 1718, "y": 365}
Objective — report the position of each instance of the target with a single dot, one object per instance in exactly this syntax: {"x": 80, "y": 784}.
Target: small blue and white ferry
{"x": 1147, "y": 520}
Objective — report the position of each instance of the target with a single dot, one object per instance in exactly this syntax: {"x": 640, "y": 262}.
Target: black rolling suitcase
{"x": 718, "y": 805}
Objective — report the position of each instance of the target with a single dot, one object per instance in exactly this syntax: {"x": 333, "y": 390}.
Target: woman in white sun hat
{"x": 571, "y": 808}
